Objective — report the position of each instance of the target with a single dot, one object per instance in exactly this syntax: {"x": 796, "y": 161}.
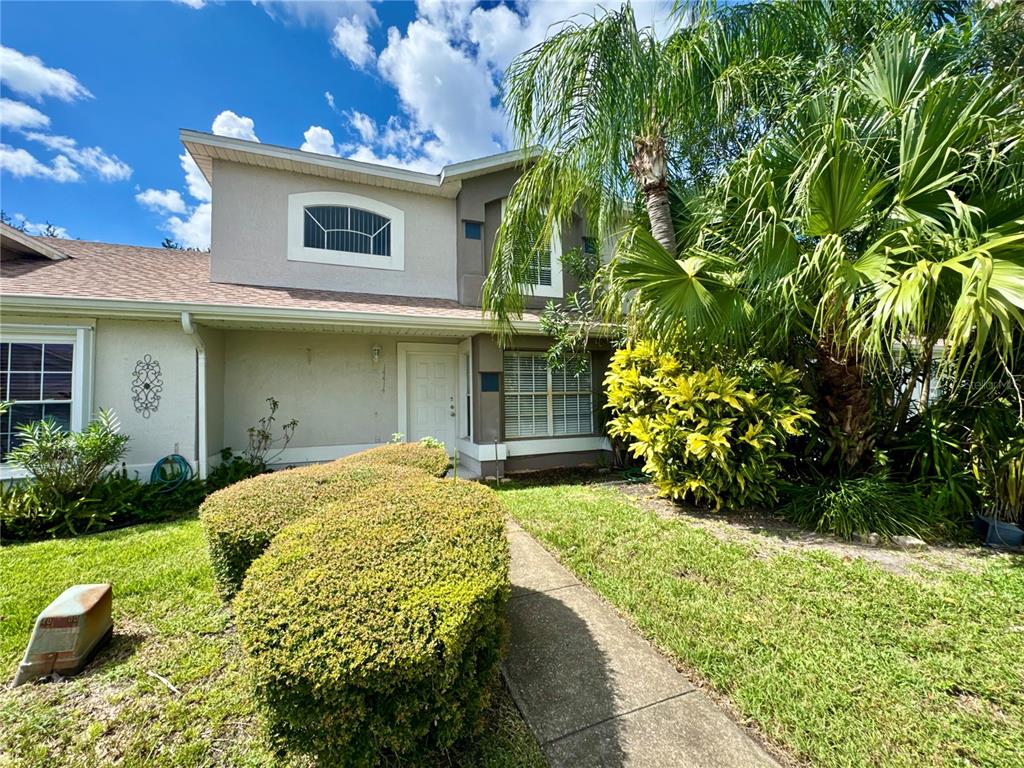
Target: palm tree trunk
{"x": 650, "y": 170}
{"x": 844, "y": 406}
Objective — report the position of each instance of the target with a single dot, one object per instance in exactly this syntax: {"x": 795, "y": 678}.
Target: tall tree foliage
{"x": 620, "y": 113}
{"x": 882, "y": 215}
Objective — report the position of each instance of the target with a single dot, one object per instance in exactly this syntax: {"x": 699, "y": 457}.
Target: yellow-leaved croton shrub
{"x": 706, "y": 436}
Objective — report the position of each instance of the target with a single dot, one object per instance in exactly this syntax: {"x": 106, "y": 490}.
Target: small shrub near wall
{"x": 241, "y": 520}
{"x": 427, "y": 455}
{"x": 706, "y": 436}
{"x": 375, "y": 625}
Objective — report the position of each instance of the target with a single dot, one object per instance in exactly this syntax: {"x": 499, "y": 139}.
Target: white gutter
{"x": 200, "y": 430}
{"x": 133, "y": 308}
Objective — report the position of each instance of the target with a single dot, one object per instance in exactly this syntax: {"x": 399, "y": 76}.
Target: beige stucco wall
{"x": 250, "y": 232}
{"x": 119, "y": 345}
{"x": 328, "y": 381}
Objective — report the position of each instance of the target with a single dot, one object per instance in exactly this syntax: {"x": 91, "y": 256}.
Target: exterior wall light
{"x": 375, "y": 353}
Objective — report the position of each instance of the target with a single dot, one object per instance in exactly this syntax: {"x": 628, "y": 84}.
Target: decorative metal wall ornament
{"x": 147, "y": 384}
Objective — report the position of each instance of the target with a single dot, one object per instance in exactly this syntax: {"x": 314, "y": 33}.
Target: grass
{"x": 168, "y": 621}
{"x": 838, "y": 661}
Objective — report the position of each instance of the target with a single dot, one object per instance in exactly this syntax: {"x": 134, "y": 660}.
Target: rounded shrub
{"x": 375, "y": 626}
{"x": 241, "y": 520}
{"x": 432, "y": 459}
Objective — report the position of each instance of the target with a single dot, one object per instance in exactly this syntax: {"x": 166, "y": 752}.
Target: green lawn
{"x": 839, "y": 661}
{"x": 170, "y": 622}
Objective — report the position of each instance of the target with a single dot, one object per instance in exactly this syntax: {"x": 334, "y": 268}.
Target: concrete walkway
{"x": 595, "y": 693}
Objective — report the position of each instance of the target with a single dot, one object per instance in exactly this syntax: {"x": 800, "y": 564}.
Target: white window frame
{"x": 81, "y": 337}
{"x": 554, "y": 290}
{"x": 297, "y": 250}
{"x": 550, "y": 395}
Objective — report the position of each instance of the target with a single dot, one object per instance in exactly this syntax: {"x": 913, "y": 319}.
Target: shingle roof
{"x": 135, "y": 273}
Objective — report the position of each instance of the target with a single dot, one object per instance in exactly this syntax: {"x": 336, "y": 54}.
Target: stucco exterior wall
{"x": 119, "y": 345}
{"x": 250, "y": 236}
{"x": 328, "y": 381}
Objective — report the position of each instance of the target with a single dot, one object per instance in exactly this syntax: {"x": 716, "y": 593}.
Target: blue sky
{"x": 94, "y": 95}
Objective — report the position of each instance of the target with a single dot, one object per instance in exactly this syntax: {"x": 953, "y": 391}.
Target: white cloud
{"x": 351, "y": 38}
{"x": 194, "y": 4}
{"x": 325, "y": 13}
{"x": 319, "y": 140}
{"x": 329, "y": 98}
{"x": 445, "y": 92}
{"x": 30, "y": 77}
{"x": 227, "y": 123}
{"x": 162, "y": 201}
{"x": 15, "y": 115}
{"x": 35, "y": 228}
{"x": 190, "y": 224}
{"x": 21, "y": 163}
{"x": 410, "y": 162}
{"x": 196, "y": 183}
{"x": 107, "y": 167}
{"x": 364, "y": 125}
{"x": 446, "y": 67}
{"x": 192, "y": 231}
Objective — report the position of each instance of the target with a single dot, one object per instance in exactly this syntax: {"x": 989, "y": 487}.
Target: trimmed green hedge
{"x": 431, "y": 459}
{"x": 376, "y": 625}
{"x": 241, "y": 520}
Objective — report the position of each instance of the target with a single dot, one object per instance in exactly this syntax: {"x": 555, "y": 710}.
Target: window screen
{"x": 343, "y": 228}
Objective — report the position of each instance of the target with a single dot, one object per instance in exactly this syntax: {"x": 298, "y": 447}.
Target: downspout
{"x": 200, "y": 426}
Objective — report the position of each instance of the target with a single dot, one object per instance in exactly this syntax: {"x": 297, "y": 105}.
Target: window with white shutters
{"x": 541, "y": 402}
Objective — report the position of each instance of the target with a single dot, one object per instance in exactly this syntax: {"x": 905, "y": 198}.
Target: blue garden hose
{"x": 171, "y": 472}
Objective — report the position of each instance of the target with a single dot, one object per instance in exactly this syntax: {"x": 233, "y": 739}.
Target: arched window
{"x": 343, "y": 228}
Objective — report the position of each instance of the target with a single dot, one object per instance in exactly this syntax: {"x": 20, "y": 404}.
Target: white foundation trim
{"x": 557, "y": 445}
{"x": 297, "y": 250}
{"x": 482, "y": 451}
{"x": 501, "y": 451}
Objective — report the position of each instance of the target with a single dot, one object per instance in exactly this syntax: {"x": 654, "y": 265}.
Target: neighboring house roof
{"x": 206, "y": 147}
{"x": 139, "y": 281}
{"x": 19, "y": 243}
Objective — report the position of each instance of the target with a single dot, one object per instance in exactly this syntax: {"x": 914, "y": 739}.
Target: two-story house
{"x": 348, "y": 291}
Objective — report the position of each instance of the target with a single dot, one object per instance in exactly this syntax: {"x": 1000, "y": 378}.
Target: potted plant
{"x": 1003, "y": 476}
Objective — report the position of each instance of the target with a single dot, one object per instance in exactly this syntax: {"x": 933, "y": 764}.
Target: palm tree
{"x": 618, "y": 112}
{"x": 882, "y": 215}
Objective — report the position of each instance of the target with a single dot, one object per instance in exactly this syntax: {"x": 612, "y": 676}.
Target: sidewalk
{"x": 595, "y": 693}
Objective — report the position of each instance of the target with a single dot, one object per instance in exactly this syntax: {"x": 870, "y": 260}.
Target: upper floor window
{"x": 342, "y": 228}
{"x": 345, "y": 229}
{"x": 544, "y": 271}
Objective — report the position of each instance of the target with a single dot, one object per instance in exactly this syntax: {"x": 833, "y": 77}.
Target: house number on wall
{"x": 147, "y": 383}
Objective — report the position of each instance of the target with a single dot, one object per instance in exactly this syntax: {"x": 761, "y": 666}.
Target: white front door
{"x": 432, "y": 401}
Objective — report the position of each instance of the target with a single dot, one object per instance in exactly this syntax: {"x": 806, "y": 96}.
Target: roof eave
{"x": 33, "y": 245}
{"x": 135, "y": 308}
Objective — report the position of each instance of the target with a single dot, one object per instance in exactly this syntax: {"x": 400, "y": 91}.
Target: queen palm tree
{"x": 882, "y": 216}
{"x": 618, "y": 111}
